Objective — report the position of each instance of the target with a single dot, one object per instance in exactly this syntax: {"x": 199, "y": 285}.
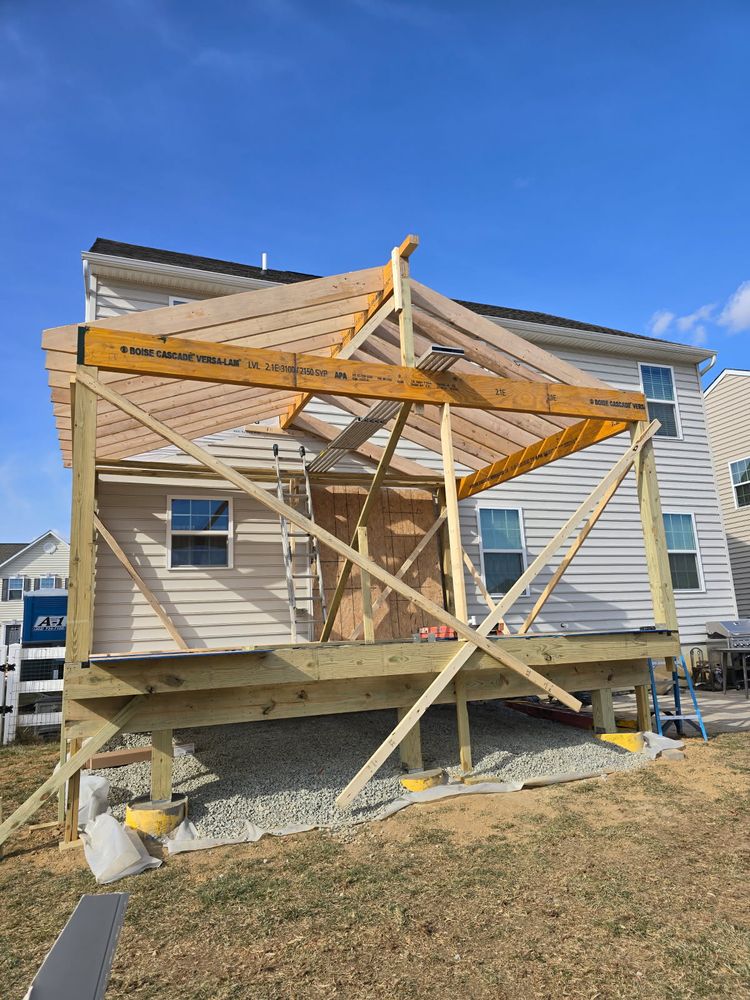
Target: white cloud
{"x": 735, "y": 315}
{"x": 660, "y": 322}
{"x": 700, "y": 336}
{"x": 688, "y": 322}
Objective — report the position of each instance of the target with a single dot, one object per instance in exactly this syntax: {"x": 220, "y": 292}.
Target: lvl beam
{"x": 192, "y": 359}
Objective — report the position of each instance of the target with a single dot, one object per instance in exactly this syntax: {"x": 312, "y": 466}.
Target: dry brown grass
{"x": 634, "y": 887}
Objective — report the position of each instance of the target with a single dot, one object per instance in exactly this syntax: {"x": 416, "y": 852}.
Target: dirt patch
{"x": 633, "y": 886}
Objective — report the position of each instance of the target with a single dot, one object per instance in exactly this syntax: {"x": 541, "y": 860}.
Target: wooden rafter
{"x": 574, "y": 438}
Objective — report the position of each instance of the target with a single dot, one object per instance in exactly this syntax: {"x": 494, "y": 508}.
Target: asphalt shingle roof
{"x": 8, "y": 549}
{"x": 135, "y": 252}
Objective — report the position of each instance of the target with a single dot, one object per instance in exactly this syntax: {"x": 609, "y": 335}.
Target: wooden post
{"x": 458, "y": 585}
{"x": 82, "y": 559}
{"x": 161, "y": 765}
{"x": 402, "y": 302}
{"x": 654, "y": 535}
{"x": 643, "y": 708}
{"x": 410, "y": 747}
{"x": 366, "y": 586}
{"x": 604, "y": 711}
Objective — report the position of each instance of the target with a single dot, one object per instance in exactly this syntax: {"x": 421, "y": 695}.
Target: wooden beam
{"x": 456, "y": 662}
{"x": 294, "y": 701}
{"x": 402, "y": 302}
{"x": 603, "y": 711}
{"x": 140, "y": 583}
{"x": 458, "y": 584}
{"x": 405, "y": 567}
{"x": 161, "y": 765}
{"x": 571, "y": 553}
{"x": 192, "y": 359}
{"x": 575, "y": 438}
{"x": 305, "y": 524}
{"x": 654, "y": 538}
{"x": 82, "y": 559}
{"x": 67, "y": 769}
{"x": 365, "y": 584}
{"x": 364, "y": 517}
{"x": 410, "y": 748}
{"x": 642, "y": 708}
{"x": 309, "y": 663}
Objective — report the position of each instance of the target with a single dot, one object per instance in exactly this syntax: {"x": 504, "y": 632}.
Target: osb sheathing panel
{"x": 397, "y": 523}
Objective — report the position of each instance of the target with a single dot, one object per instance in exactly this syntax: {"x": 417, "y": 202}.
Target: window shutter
{"x": 27, "y": 582}
{"x": 5, "y": 589}
{"x": 58, "y": 582}
{"x": 37, "y": 581}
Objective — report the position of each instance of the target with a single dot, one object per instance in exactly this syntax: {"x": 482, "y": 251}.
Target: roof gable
{"x": 28, "y": 546}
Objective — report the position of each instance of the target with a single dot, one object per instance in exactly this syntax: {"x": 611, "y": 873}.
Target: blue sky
{"x": 589, "y": 159}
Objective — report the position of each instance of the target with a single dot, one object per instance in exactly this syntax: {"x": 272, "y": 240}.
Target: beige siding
{"x": 221, "y": 607}
{"x": 33, "y": 562}
{"x": 727, "y": 413}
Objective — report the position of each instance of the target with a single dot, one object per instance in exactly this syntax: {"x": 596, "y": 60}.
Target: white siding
{"x": 33, "y": 562}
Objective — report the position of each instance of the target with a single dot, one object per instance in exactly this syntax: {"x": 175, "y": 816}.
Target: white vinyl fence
{"x": 31, "y": 683}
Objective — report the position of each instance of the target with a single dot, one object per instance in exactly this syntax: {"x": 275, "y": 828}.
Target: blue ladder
{"x": 696, "y": 721}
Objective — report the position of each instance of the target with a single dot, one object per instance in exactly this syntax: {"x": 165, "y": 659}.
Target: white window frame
{"x": 674, "y": 402}
{"x": 180, "y": 300}
{"x": 730, "y": 463}
{"x": 47, "y": 576}
{"x": 229, "y": 533}
{"x": 499, "y": 505}
{"x": 696, "y": 552}
{"x": 20, "y": 577}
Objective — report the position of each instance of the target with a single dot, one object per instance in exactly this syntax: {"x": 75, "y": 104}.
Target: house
{"x": 242, "y": 596}
{"x": 24, "y": 567}
{"x": 727, "y": 404}
{"x": 449, "y": 453}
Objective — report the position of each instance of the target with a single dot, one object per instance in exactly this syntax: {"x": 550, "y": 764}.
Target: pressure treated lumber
{"x": 410, "y": 748}
{"x": 366, "y": 587}
{"x": 477, "y": 578}
{"x": 193, "y": 359}
{"x": 67, "y": 769}
{"x": 364, "y": 517}
{"x": 460, "y": 607}
{"x": 161, "y": 765}
{"x": 140, "y": 583}
{"x": 643, "y": 708}
{"x": 567, "y": 442}
{"x": 82, "y": 562}
{"x": 451, "y": 669}
{"x": 268, "y": 500}
{"x": 603, "y": 711}
{"x": 654, "y": 538}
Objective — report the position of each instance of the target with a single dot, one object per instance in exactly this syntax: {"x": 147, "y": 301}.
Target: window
{"x": 46, "y": 582}
{"x": 682, "y": 546}
{"x": 15, "y": 588}
{"x": 502, "y": 547}
{"x": 200, "y": 532}
{"x": 741, "y": 481}
{"x": 658, "y": 388}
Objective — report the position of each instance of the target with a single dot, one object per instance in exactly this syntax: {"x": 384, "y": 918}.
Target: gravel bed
{"x": 290, "y": 771}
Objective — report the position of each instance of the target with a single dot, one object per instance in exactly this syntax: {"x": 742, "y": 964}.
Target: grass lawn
{"x": 637, "y": 886}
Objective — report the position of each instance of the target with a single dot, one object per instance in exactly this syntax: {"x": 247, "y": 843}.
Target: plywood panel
{"x": 398, "y": 520}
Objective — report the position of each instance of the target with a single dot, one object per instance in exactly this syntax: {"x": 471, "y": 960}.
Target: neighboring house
{"x": 215, "y": 604}
{"x": 24, "y": 567}
{"x": 727, "y": 404}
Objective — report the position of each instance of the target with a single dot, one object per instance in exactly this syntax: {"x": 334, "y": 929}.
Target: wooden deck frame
{"x": 338, "y": 677}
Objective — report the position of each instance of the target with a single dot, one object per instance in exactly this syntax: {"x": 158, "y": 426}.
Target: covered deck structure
{"x": 393, "y": 354}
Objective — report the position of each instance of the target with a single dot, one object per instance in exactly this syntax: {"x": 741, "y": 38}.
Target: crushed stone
{"x": 289, "y": 771}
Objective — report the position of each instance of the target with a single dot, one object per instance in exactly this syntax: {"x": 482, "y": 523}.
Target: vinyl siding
{"x": 727, "y": 407}
{"x": 33, "y": 562}
{"x": 606, "y": 586}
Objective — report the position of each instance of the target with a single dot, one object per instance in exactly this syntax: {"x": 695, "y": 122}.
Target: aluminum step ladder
{"x": 667, "y": 718}
{"x": 302, "y": 565}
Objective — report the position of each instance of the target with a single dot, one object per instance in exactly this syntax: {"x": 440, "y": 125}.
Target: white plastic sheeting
{"x": 114, "y": 851}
